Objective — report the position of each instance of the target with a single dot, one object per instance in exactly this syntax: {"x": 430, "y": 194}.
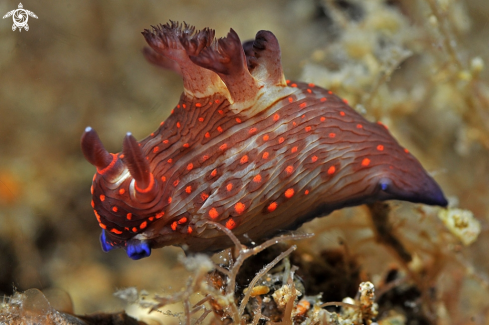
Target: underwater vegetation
{"x": 416, "y": 66}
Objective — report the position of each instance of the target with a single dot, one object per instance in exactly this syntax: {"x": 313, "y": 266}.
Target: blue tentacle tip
{"x": 106, "y": 247}
{"x": 138, "y": 249}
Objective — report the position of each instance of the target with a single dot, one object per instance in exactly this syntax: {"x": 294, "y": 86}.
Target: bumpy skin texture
{"x": 243, "y": 148}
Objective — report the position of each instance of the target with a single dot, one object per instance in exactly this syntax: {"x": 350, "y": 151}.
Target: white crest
{"x": 20, "y": 17}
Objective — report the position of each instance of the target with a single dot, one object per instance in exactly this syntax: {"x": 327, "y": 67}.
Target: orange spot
{"x": 311, "y": 85}
{"x": 223, "y": 146}
{"x": 306, "y": 192}
{"x": 294, "y": 123}
{"x": 122, "y": 191}
{"x": 93, "y": 204}
{"x": 97, "y": 216}
{"x": 332, "y": 135}
{"x": 134, "y": 229}
{"x": 114, "y": 209}
{"x": 190, "y": 166}
{"x": 185, "y": 145}
{"x": 205, "y": 157}
{"x": 289, "y": 169}
{"x": 198, "y": 105}
{"x": 238, "y": 120}
{"x": 323, "y": 99}
{"x": 359, "y": 126}
{"x": 207, "y": 135}
{"x": 188, "y": 189}
{"x": 330, "y": 92}
{"x": 303, "y": 116}
{"x": 102, "y": 197}
{"x": 244, "y": 159}
{"x": 380, "y": 147}
{"x": 345, "y": 101}
{"x": 257, "y": 178}
{"x": 220, "y": 111}
{"x": 184, "y": 106}
{"x": 294, "y": 149}
{"x": 175, "y": 183}
{"x": 163, "y": 178}
{"x": 189, "y": 229}
{"x": 308, "y": 128}
{"x": 291, "y": 99}
{"x": 121, "y": 156}
{"x": 115, "y": 231}
{"x": 229, "y": 187}
{"x": 272, "y": 207}
{"x": 303, "y": 105}
{"x": 365, "y": 162}
{"x": 152, "y": 134}
{"x": 159, "y": 215}
{"x": 169, "y": 160}
{"x": 216, "y": 101}
{"x": 143, "y": 225}
{"x": 204, "y": 196}
{"x": 406, "y": 151}
{"x": 287, "y": 81}
{"x": 169, "y": 199}
{"x": 252, "y": 130}
{"x": 239, "y": 207}
{"x": 174, "y": 225}
{"x": 213, "y": 213}
{"x": 230, "y": 224}
{"x": 331, "y": 170}
{"x": 276, "y": 117}
{"x": 178, "y": 106}
{"x": 265, "y": 155}
{"x": 219, "y": 129}
{"x": 289, "y": 193}
{"x": 91, "y": 189}
{"x": 214, "y": 173}
{"x": 281, "y": 139}
{"x": 102, "y": 225}
{"x": 165, "y": 141}
{"x": 178, "y": 124}
{"x": 266, "y": 137}
{"x": 294, "y": 85}
{"x": 151, "y": 218}
{"x": 342, "y": 113}
{"x": 155, "y": 149}
{"x": 323, "y": 119}
{"x": 201, "y": 119}
{"x": 314, "y": 158}
{"x": 309, "y": 91}
{"x": 129, "y": 216}
{"x": 162, "y": 123}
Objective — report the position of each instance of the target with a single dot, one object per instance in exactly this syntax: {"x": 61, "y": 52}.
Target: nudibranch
{"x": 245, "y": 148}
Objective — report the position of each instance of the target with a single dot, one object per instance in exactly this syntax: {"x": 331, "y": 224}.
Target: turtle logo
{"x": 20, "y": 16}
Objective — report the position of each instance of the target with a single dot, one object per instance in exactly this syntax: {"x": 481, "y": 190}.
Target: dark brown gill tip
{"x": 266, "y": 59}
{"x": 227, "y": 58}
{"x": 195, "y": 43}
{"x": 94, "y": 151}
{"x": 137, "y": 164}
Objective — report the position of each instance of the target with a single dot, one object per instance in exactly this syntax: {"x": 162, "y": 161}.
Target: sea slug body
{"x": 245, "y": 148}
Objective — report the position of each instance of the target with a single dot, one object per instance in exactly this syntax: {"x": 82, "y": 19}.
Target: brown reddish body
{"x": 245, "y": 148}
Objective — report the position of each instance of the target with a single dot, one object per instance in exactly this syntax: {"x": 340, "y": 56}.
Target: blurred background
{"x": 416, "y": 65}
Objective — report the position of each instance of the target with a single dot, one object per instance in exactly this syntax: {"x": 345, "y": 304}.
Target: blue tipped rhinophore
{"x": 384, "y": 183}
{"x": 105, "y": 245}
{"x": 138, "y": 249}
